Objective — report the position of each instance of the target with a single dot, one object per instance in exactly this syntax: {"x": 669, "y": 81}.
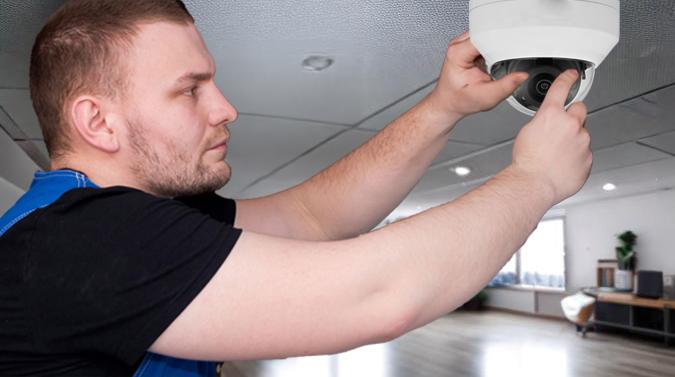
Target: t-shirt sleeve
{"x": 212, "y": 204}
{"x": 117, "y": 267}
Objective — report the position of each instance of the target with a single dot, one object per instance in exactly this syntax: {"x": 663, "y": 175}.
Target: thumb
{"x": 499, "y": 90}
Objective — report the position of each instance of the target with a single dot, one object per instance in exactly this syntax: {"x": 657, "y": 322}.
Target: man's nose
{"x": 223, "y": 112}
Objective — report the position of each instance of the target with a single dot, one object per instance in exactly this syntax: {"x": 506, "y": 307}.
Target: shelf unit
{"x": 636, "y": 314}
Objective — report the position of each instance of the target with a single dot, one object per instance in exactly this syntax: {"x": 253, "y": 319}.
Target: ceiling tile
{"x": 332, "y": 151}
{"x": 258, "y": 145}
{"x": 17, "y": 104}
{"x": 664, "y": 142}
{"x": 391, "y": 113}
{"x": 642, "y": 117}
{"x": 624, "y": 155}
{"x": 492, "y": 127}
{"x": 482, "y": 165}
{"x": 637, "y": 63}
{"x": 632, "y": 180}
{"x": 41, "y": 147}
{"x": 35, "y": 152}
{"x": 15, "y": 165}
{"x": 20, "y": 22}
{"x": 454, "y": 150}
{"x": 320, "y": 158}
{"x": 10, "y": 127}
{"x": 267, "y": 187}
{"x": 381, "y": 52}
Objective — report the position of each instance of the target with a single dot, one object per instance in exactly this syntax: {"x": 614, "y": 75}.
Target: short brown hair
{"x": 79, "y": 51}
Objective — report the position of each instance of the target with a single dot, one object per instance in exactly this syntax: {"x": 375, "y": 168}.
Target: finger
{"x": 481, "y": 64}
{"x": 497, "y": 91}
{"x": 463, "y": 54}
{"x": 579, "y": 111}
{"x": 460, "y": 38}
{"x": 559, "y": 91}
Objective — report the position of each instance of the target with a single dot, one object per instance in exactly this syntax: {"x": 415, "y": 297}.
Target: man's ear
{"x": 90, "y": 121}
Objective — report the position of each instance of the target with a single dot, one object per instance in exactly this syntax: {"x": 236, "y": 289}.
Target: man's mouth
{"x": 221, "y": 145}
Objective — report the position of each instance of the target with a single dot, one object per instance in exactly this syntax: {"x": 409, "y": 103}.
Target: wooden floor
{"x": 485, "y": 344}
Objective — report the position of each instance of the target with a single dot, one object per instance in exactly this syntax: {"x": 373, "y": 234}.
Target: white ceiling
{"x": 387, "y": 55}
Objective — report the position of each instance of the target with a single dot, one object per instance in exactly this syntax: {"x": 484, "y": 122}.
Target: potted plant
{"x": 625, "y": 255}
{"x": 476, "y": 302}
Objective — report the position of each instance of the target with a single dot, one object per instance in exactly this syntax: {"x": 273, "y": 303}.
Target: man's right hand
{"x": 555, "y": 145}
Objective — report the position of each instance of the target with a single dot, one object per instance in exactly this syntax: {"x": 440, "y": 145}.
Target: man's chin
{"x": 222, "y": 172}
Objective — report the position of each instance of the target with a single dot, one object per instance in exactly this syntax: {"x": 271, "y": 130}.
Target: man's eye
{"x": 190, "y": 91}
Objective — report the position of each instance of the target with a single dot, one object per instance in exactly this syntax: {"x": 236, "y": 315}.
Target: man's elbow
{"x": 397, "y": 327}
{"x": 396, "y": 319}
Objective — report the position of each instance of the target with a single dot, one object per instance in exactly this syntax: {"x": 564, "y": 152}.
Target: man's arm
{"x": 358, "y": 191}
{"x": 276, "y": 297}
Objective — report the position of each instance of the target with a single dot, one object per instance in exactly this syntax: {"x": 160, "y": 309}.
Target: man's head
{"x": 129, "y": 84}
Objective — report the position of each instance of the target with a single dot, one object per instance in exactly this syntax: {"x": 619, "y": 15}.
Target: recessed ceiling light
{"x": 317, "y": 62}
{"x": 461, "y": 171}
{"x": 609, "y": 187}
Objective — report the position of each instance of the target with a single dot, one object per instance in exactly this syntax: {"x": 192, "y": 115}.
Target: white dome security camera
{"x": 544, "y": 38}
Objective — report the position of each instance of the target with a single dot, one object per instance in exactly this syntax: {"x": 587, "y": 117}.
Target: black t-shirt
{"x": 89, "y": 282}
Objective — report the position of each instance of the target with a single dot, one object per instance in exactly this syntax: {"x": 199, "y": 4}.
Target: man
{"x": 122, "y": 261}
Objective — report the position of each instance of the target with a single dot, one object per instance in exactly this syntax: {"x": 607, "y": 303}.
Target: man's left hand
{"x": 464, "y": 87}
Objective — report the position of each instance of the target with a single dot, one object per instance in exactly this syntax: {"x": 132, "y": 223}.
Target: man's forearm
{"x": 435, "y": 261}
{"x": 361, "y": 189}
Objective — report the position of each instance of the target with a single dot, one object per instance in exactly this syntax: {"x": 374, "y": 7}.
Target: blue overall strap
{"x": 46, "y": 188}
{"x": 154, "y": 365}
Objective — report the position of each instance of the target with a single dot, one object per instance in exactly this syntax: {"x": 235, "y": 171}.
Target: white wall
{"x": 591, "y": 231}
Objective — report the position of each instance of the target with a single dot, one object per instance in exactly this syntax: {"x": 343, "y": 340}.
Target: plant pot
{"x": 623, "y": 280}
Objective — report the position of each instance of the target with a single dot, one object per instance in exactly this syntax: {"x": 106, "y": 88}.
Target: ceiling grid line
{"x": 352, "y": 127}
{"x": 655, "y": 148}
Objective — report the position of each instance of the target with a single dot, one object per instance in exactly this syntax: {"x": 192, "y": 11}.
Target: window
{"x": 541, "y": 260}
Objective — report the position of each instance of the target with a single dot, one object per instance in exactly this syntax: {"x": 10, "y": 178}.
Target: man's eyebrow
{"x": 194, "y": 77}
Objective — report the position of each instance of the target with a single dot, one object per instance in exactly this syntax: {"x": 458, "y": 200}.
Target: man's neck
{"x": 102, "y": 174}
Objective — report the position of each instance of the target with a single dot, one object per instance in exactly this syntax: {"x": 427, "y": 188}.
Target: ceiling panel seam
{"x": 655, "y": 148}
{"x": 19, "y": 130}
{"x": 602, "y": 108}
{"x": 30, "y": 139}
{"x": 12, "y": 88}
{"x": 296, "y": 119}
{"x": 396, "y": 102}
{"x": 472, "y": 154}
{"x": 634, "y": 141}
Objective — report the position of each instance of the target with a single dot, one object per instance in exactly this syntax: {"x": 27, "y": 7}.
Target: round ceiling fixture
{"x": 317, "y": 63}
{"x": 609, "y": 187}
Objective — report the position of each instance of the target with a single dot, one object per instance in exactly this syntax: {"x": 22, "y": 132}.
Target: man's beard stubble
{"x": 174, "y": 176}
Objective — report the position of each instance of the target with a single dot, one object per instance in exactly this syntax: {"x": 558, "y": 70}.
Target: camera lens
{"x": 542, "y": 73}
{"x": 540, "y": 86}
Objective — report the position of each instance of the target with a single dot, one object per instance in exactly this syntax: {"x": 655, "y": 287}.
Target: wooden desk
{"x": 631, "y": 299}
{"x": 636, "y": 314}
